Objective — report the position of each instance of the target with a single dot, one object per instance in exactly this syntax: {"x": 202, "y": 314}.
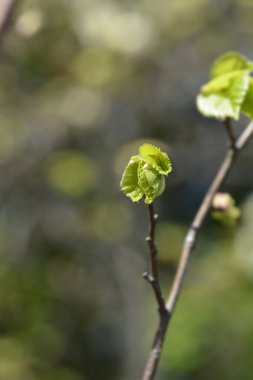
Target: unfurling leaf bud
{"x": 144, "y": 174}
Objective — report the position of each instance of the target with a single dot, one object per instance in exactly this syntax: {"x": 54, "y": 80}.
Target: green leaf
{"x": 129, "y": 182}
{"x": 230, "y": 62}
{"x": 151, "y": 182}
{"x": 224, "y": 96}
{"x": 157, "y": 159}
{"x": 247, "y": 106}
{"x": 144, "y": 174}
{"x": 221, "y": 83}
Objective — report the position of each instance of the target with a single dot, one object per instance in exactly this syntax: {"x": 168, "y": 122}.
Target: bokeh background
{"x": 82, "y": 84}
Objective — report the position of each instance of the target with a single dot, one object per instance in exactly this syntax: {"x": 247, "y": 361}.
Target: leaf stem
{"x": 227, "y": 124}
{"x": 187, "y": 249}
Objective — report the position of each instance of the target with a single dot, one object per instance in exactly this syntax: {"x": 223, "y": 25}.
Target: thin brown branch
{"x": 155, "y": 353}
{"x": 191, "y": 236}
{"x": 152, "y": 276}
{"x": 188, "y": 246}
{"x": 231, "y": 137}
{"x": 7, "y": 8}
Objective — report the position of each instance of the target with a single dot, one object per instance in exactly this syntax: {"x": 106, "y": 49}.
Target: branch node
{"x": 156, "y": 217}
{"x": 145, "y": 276}
{"x": 148, "y": 277}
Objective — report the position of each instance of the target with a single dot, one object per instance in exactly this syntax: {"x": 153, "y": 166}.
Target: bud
{"x": 222, "y": 201}
{"x": 224, "y": 209}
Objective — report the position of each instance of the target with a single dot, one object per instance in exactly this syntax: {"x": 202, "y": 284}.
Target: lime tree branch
{"x": 227, "y": 124}
{"x": 187, "y": 249}
{"x": 152, "y": 276}
{"x": 191, "y": 236}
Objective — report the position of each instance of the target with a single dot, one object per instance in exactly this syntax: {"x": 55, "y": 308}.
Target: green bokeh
{"x": 71, "y": 173}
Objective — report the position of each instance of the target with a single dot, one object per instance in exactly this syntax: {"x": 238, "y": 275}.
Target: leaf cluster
{"x": 230, "y": 89}
{"x": 144, "y": 174}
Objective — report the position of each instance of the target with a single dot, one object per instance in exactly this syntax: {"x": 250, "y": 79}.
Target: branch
{"x": 6, "y": 11}
{"x": 188, "y": 246}
{"x": 152, "y": 276}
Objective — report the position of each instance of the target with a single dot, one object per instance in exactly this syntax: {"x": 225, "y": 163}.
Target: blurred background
{"x": 82, "y": 84}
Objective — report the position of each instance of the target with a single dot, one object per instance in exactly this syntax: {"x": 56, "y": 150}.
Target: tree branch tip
{"x": 146, "y": 276}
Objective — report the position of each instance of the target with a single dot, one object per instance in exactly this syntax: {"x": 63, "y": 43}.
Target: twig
{"x": 152, "y": 276}
{"x": 227, "y": 124}
{"x": 188, "y": 246}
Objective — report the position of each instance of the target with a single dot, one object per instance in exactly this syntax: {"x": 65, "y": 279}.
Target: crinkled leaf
{"x": 157, "y": 159}
{"x": 226, "y": 98}
{"x": 144, "y": 174}
{"x": 129, "y": 182}
{"x": 151, "y": 182}
{"x": 247, "y": 106}
{"x": 229, "y": 62}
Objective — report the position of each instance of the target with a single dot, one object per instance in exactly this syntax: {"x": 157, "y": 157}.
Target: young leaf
{"x": 247, "y": 106}
{"x": 226, "y": 98}
{"x": 157, "y": 159}
{"x": 151, "y": 182}
{"x": 229, "y": 62}
{"x": 129, "y": 182}
{"x": 221, "y": 83}
{"x": 225, "y": 94}
{"x": 144, "y": 174}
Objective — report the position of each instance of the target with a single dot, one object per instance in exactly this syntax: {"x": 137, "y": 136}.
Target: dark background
{"x": 82, "y": 84}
